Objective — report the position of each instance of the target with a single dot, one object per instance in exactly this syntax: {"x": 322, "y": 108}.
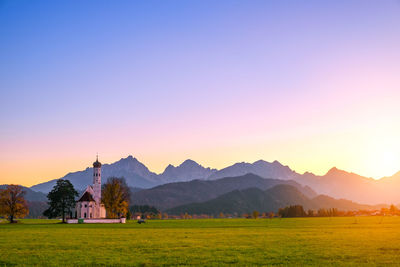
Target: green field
{"x": 303, "y": 241}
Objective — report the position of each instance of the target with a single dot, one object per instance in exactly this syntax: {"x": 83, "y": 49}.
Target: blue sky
{"x": 209, "y": 80}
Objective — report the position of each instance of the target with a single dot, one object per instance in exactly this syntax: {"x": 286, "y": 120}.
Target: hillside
{"x": 174, "y": 194}
{"x": 270, "y": 200}
{"x": 341, "y": 184}
{"x": 31, "y": 195}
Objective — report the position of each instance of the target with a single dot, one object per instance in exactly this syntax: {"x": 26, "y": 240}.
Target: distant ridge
{"x": 270, "y": 200}
{"x": 174, "y": 194}
{"x": 262, "y": 168}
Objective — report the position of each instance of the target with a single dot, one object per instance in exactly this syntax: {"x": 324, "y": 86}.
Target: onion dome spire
{"x": 97, "y": 164}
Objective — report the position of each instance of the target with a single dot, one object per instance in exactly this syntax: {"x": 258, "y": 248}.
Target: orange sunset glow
{"x": 313, "y": 106}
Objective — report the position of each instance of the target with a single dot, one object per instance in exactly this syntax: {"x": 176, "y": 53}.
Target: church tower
{"x": 97, "y": 180}
{"x": 89, "y": 205}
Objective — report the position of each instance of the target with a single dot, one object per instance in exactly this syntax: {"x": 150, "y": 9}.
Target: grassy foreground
{"x": 304, "y": 241}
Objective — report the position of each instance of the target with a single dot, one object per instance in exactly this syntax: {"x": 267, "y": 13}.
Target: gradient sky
{"x": 313, "y": 84}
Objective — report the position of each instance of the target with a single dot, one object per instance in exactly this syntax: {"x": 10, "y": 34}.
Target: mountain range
{"x": 270, "y": 200}
{"x": 335, "y": 183}
{"x": 174, "y": 194}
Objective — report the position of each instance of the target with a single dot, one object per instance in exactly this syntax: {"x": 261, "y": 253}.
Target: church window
{"x": 85, "y": 206}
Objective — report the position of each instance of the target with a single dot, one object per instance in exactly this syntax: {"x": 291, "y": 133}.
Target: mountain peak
{"x": 189, "y": 162}
{"x": 332, "y": 170}
{"x": 131, "y": 158}
{"x": 169, "y": 167}
{"x": 263, "y": 162}
{"x": 130, "y": 162}
{"x": 186, "y": 171}
{"x": 277, "y": 163}
{"x": 260, "y": 161}
{"x": 336, "y": 171}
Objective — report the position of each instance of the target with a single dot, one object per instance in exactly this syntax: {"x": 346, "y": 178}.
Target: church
{"x": 89, "y": 205}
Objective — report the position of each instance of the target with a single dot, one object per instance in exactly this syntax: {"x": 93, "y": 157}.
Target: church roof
{"x": 86, "y": 197}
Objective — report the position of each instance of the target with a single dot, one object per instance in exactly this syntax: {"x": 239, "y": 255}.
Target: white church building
{"x": 89, "y": 205}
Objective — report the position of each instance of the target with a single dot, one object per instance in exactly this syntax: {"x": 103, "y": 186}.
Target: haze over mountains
{"x": 336, "y": 183}
{"x": 174, "y": 194}
{"x": 270, "y": 200}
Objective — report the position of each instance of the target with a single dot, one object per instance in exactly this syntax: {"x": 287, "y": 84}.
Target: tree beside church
{"x": 61, "y": 200}
{"x": 116, "y": 195}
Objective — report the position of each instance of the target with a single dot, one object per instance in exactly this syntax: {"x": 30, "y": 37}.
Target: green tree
{"x": 12, "y": 202}
{"x": 143, "y": 209}
{"x": 310, "y": 213}
{"x": 255, "y": 214}
{"x": 128, "y": 215}
{"x": 292, "y": 211}
{"x": 322, "y": 213}
{"x": 115, "y": 197}
{"x": 61, "y": 199}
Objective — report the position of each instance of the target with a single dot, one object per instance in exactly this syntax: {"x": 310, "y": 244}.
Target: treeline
{"x": 392, "y": 210}
{"x": 143, "y": 212}
{"x": 298, "y": 211}
{"x": 292, "y": 212}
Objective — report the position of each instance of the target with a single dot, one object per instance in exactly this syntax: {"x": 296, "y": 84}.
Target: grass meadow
{"x": 347, "y": 241}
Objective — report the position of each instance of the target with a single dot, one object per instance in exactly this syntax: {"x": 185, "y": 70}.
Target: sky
{"x": 312, "y": 84}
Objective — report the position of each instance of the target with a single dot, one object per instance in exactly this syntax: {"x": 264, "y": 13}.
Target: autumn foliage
{"x": 115, "y": 197}
{"x": 12, "y": 203}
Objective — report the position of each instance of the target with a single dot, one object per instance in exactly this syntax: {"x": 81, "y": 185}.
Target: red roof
{"x": 86, "y": 197}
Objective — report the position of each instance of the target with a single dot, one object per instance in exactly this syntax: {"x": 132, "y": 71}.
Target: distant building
{"x": 89, "y": 204}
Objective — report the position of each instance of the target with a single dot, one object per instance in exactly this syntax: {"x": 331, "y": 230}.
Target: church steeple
{"x": 97, "y": 180}
{"x": 97, "y": 164}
